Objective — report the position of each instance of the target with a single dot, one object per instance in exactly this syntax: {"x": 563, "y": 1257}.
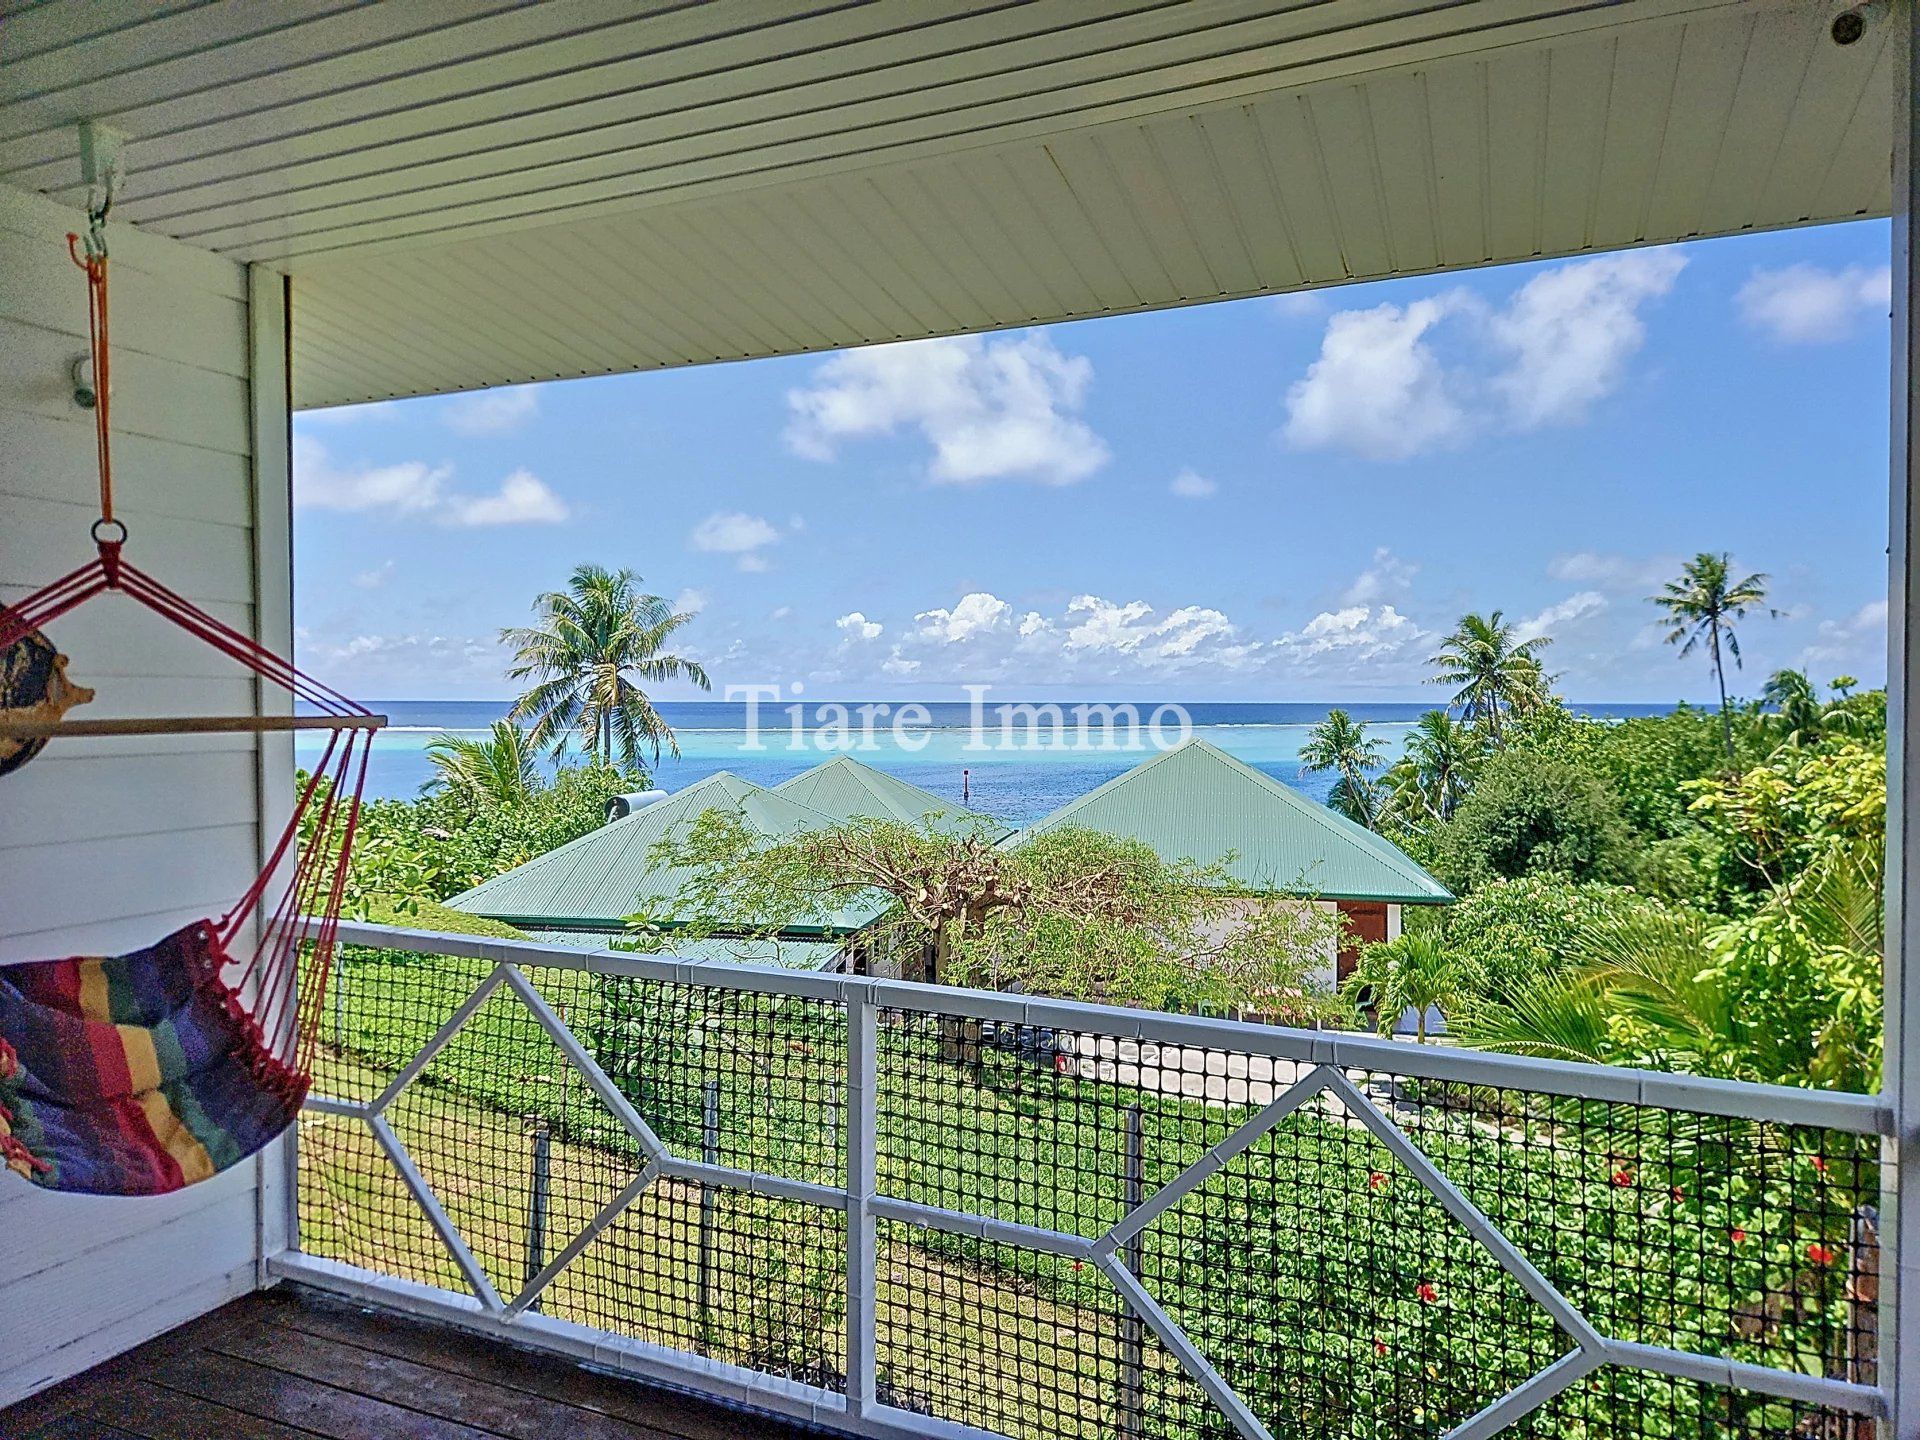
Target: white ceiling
{"x": 477, "y": 192}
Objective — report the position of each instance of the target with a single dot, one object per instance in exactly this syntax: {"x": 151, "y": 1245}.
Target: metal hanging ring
{"x": 109, "y": 526}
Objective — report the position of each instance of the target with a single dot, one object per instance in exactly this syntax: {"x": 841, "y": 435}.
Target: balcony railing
{"x": 907, "y": 1210}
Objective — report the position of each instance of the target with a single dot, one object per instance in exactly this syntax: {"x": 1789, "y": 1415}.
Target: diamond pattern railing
{"x": 902, "y": 1210}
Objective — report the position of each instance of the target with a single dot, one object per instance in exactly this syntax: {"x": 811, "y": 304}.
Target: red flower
{"x": 1079, "y": 1265}
{"x": 1739, "y": 1235}
{"x": 1623, "y": 1177}
{"x": 1427, "y": 1292}
{"x": 1820, "y": 1255}
{"x": 1820, "y": 1163}
{"x": 1679, "y": 1195}
{"x": 9, "y": 1061}
{"x": 1379, "y": 1346}
{"x": 1376, "y": 1180}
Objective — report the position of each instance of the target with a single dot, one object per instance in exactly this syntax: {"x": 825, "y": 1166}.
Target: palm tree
{"x": 1791, "y": 694}
{"x": 1492, "y": 672}
{"x": 499, "y": 770}
{"x": 1414, "y": 972}
{"x": 590, "y": 638}
{"x": 1341, "y": 744}
{"x": 1440, "y": 757}
{"x": 1704, "y": 603}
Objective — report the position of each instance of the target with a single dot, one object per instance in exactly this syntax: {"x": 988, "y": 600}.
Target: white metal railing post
{"x": 1899, "y": 1324}
{"x": 863, "y": 1128}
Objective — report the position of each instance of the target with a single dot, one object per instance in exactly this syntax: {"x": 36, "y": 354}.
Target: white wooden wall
{"x": 106, "y": 845}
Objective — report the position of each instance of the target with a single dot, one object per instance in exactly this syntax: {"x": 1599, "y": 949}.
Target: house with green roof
{"x": 1196, "y": 802}
{"x": 848, "y": 790}
{"x": 582, "y": 892}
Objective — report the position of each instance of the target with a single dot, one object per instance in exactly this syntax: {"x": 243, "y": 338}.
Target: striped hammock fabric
{"x": 137, "y": 1074}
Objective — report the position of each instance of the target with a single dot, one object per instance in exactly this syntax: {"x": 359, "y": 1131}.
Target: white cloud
{"x": 1378, "y": 389}
{"x": 1354, "y": 633}
{"x": 991, "y": 409}
{"x": 1560, "y": 615}
{"x": 856, "y": 626}
{"x": 1385, "y": 576}
{"x": 492, "y": 412}
{"x": 375, "y": 578}
{"x": 973, "y": 615}
{"x": 897, "y": 664}
{"x": 1571, "y": 331}
{"x": 732, "y": 532}
{"x": 1299, "y": 305}
{"x": 414, "y": 488}
{"x": 1808, "y": 305}
{"x": 407, "y": 488}
{"x": 1613, "y": 572}
{"x": 691, "y": 601}
{"x": 1383, "y": 389}
{"x": 376, "y": 663}
{"x": 523, "y": 499}
{"x": 1191, "y": 485}
{"x": 1857, "y": 644}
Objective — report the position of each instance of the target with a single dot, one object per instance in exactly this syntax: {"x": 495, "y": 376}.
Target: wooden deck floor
{"x": 290, "y": 1363}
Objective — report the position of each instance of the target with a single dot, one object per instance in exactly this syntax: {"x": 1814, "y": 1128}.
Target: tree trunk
{"x": 1720, "y": 674}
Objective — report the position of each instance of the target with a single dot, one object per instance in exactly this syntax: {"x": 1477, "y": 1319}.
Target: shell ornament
{"x": 33, "y": 687}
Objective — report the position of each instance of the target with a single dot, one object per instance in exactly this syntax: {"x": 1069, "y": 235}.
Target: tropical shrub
{"x": 1509, "y": 933}
{"x": 1530, "y": 814}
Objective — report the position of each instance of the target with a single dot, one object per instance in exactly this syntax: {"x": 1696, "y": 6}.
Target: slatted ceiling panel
{"x": 923, "y": 200}
{"x": 1134, "y": 262}
{"x": 1779, "y": 49}
{"x": 1297, "y": 176}
{"x": 1085, "y": 270}
{"x": 1645, "y": 74}
{"x": 1578, "y": 89}
{"x": 957, "y": 273}
{"x": 732, "y": 117}
{"x": 180, "y": 46}
{"x": 1855, "y": 170}
{"x": 1332, "y": 127}
{"x": 1454, "y": 98}
{"x": 969, "y": 215}
{"x": 1398, "y": 133}
{"x": 37, "y": 25}
{"x": 1141, "y": 176}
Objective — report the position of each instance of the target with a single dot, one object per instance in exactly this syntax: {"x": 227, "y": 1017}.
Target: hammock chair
{"x": 138, "y": 1074}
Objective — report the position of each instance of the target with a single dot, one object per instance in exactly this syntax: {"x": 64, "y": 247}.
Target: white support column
{"x": 863, "y": 1126}
{"x": 1899, "y": 1338}
{"x": 277, "y": 1215}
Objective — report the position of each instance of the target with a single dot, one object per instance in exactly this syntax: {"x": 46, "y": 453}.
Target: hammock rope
{"x": 140, "y": 1073}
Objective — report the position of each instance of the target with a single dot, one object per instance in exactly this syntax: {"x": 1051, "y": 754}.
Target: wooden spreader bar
{"x": 184, "y": 725}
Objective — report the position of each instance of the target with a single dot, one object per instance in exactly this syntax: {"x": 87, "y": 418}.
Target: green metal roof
{"x": 595, "y": 882}
{"x": 848, "y": 790}
{"x": 785, "y": 953}
{"x": 1196, "y": 802}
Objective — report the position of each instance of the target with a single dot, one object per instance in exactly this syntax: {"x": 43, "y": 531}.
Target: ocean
{"x": 943, "y": 752}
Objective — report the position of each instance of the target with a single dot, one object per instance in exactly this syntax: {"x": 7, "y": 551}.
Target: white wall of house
{"x": 106, "y": 845}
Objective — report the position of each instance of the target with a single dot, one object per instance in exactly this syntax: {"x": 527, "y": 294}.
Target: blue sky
{"x": 1276, "y": 499}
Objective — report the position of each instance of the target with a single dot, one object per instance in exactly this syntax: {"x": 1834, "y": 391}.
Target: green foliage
{"x": 1703, "y": 607}
{"x": 1070, "y": 912}
{"x": 435, "y": 847}
{"x": 1341, "y": 744}
{"x": 589, "y": 639}
{"x": 1512, "y": 932}
{"x": 1494, "y": 673}
{"x": 1415, "y": 972}
{"x": 1531, "y": 813}
{"x": 481, "y": 774}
